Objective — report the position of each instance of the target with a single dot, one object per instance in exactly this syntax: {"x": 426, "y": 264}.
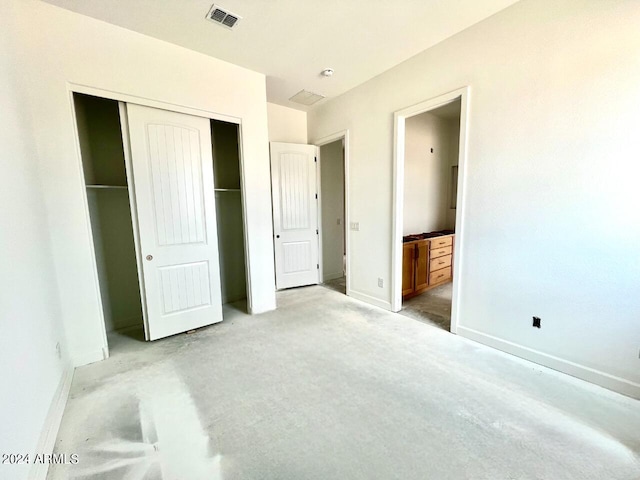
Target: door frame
{"x": 147, "y": 102}
{"x": 341, "y": 135}
{"x": 399, "y": 139}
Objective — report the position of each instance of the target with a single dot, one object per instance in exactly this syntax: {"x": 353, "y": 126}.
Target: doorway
{"x": 332, "y": 216}
{"x": 333, "y": 204}
{"x": 309, "y": 187}
{"x": 429, "y": 162}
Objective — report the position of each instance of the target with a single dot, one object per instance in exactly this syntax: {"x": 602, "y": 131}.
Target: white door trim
{"x": 399, "y": 119}
{"x": 102, "y": 327}
{"x": 343, "y": 134}
{"x": 150, "y": 102}
{"x": 245, "y": 226}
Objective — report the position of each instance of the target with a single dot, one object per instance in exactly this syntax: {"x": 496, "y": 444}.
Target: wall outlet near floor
{"x": 536, "y": 322}
{"x": 58, "y": 350}
{"x": 380, "y": 282}
{"x": 355, "y": 226}
{"x": 339, "y": 221}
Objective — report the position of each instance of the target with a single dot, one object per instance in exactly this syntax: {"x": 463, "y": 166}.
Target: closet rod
{"x": 107, "y": 186}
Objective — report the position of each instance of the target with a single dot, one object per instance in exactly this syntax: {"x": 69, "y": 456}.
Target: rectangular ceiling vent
{"x": 305, "y": 97}
{"x": 223, "y": 17}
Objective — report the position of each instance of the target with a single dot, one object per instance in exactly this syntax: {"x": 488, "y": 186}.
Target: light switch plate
{"x": 355, "y": 226}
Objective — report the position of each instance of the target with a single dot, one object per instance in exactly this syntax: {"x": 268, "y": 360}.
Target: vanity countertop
{"x": 422, "y": 236}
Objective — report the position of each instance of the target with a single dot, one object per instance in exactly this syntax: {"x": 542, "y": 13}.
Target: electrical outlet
{"x": 355, "y": 226}
{"x": 339, "y": 221}
{"x": 380, "y": 282}
{"x": 536, "y": 322}
{"x": 58, "y": 350}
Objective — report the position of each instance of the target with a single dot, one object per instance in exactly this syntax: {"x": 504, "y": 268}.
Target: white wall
{"x": 30, "y": 315}
{"x": 286, "y": 124}
{"x": 427, "y": 174}
{"x": 332, "y": 209}
{"x": 66, "y": 47}
{"x": 454, "y": 147}
{"x": 551, "y": 223}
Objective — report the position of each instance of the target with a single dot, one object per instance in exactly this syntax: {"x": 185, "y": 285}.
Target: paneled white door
{"x": 173, "y": 182}
{"x": 295, "y": 214}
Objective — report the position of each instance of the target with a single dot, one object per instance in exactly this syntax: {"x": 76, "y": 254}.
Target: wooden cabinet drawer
{"x": 439, "y": 263}
{"x": 439, "y": 276}
{"x": 441, "y": 242}
{"x": 440, "y": 252}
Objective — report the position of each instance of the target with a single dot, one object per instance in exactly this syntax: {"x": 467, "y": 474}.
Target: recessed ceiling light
{"x": 327, "y": 72}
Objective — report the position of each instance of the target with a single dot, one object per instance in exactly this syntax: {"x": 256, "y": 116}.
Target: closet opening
{"x": 158, "y": 274}
{"x": 108, "y": 197}
{"x": 225, "y": 140}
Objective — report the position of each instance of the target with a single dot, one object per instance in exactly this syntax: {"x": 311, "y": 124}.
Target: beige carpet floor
{"x": 327, "y": 387}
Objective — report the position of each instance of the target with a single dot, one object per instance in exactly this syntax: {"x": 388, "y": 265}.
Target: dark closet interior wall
{"x": 226, "y": 166}
{"x": 104, "y": 166}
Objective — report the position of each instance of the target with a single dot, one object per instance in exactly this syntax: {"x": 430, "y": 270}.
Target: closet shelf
{"x": 108, "y": 186}
{"x": 227, "y": 189}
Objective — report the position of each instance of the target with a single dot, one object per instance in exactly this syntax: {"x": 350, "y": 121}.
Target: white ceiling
{"x": 291, "y": 41}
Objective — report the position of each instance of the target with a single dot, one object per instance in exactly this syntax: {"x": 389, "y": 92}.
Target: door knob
{"x": 277, "y": 236}
{"x": 149, "y": 257}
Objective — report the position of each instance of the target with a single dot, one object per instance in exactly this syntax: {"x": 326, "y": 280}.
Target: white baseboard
{"x": 85, "y": 358}
{"x": 611, "y": 382}
{"x": 49, "y": 432}
{"x": 369, "y": 299}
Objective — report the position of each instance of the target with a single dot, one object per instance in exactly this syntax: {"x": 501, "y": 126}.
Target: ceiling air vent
{"x": 305, "y": 97}
{"x": 223, "y": 17}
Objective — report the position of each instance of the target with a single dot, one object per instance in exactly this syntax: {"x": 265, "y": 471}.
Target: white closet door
{"x": 173, "y": 182}
{"x": 295, "y": 214}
